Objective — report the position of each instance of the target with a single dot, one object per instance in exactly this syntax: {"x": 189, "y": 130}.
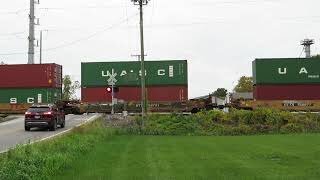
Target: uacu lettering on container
{"x": 158, "y": 73}
{"x": 286, "y": 71}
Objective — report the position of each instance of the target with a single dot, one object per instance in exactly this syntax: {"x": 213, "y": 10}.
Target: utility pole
{"x": 138, "y": 56}
{"x": 41, "y": 47}
{"x": 306, "y": 43}
{"x": 141, "y": 3}
{"x": 31, "y": 32}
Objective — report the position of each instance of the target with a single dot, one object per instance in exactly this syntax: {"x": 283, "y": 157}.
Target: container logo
{"x": 303, "y": 70}
{"x": 30, "y": 100}
{"x": 160, "y": 72}
{"x": 282, "y": 71}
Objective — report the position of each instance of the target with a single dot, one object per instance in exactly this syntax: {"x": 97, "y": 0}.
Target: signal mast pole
{"x": 141, "y": 3}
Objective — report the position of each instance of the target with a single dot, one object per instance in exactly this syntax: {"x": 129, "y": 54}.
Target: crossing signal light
{"x": 109, "y": 89}
{"x": 115, "y": 89}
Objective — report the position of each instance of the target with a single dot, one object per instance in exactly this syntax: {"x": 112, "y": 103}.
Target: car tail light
{"x": 28, "y": 113}
{"x": 48, "y": 113}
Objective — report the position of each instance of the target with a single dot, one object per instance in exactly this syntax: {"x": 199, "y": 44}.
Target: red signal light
{"x": 109, "y": 89}
{"x": 115, "y": 89}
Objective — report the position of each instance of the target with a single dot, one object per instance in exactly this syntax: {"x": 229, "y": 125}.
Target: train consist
{"x": 166, "y": 81}
{"x": 24, "y": 84}
{"x": 166, "y": 85}
{"x": 287, "y": 83}
{"x": 290, "y": 84}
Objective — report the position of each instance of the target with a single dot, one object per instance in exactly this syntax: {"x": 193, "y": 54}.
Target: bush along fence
{"x": 236, "y": 122}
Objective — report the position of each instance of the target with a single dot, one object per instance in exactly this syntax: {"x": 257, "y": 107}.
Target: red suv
{"x": 46, "y": 116}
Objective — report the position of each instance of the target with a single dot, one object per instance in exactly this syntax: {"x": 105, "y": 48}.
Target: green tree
{"x": 245, "y": 84}
{"x": 220, "y": 92}
{"x": 69, "y": 88}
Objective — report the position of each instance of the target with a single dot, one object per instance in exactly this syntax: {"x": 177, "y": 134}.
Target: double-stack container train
{"x": 22, "y": 85}
{"x": 166, "y": 82}
{"x": 286, "y": 83}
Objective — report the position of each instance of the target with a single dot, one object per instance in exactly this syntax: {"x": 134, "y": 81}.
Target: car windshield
{"x": 38, "y": 109}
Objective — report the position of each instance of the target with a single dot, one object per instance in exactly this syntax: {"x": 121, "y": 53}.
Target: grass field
{"x": 186, "y": 158}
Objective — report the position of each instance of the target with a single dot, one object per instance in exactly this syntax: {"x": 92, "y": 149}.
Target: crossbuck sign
{"x": 112, "y": 78}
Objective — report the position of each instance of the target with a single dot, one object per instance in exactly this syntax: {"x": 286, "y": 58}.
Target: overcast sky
{"x": 219, "y": 38}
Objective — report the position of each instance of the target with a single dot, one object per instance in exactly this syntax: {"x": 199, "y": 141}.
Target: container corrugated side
{"x": 133, "y": 94}
{"x": 30, "y": 96}
{"x": 31, "y": 76}
{"x": 158, "y": 73}
{"x": 287, "y": 92}
{"x": 286, "y": 71}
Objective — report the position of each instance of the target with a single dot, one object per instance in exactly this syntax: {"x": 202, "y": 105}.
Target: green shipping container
{"x": 29, "y": 96}
{"x": 97, "y": 74}
{"x": 286, "y": 71}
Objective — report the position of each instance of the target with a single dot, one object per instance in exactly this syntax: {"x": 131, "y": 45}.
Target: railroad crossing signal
{"x": 112, "y": 78}
{"x": 109, "y": 89}
{"x": 115, "y": 89}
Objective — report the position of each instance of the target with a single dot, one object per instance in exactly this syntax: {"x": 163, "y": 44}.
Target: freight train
{"x": 285, "y": 83}
{"x": 289, "y": 84}
{"x": 22, "y": 85}
{"x": 166, "y": 81}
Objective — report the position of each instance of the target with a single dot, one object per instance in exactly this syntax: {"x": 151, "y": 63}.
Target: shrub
{"x": 291, "y": 128}
{"x": 236, "y": 122}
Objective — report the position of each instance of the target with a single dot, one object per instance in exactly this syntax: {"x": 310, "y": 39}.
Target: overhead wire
{"x": 90, "y": 36}
{"x": 78, "y": 40}
{"x": 12, "y": 34}
{"x": 301, "y": 52}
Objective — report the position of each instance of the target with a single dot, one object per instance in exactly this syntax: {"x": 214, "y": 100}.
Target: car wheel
{"x": 26, "y": 128}
{"x": 54, "y": 126}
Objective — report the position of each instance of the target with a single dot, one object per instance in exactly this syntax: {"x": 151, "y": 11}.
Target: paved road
{"x": 12, "y": 132}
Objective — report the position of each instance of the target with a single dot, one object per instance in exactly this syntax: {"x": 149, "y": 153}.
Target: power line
{"x": 90, "y": 36}
{"x": 24, "y": 10}
{"x": 13, "y": 34}
{"x": 301, "y": 52}
{"x": 16, "y": 12}
{"x": 78, "y": 40}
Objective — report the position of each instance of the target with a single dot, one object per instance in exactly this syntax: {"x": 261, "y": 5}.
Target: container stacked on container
{"x": 30, "y": 83}
{"x": 287, "y": 79}
{"x": 166, "y": 81}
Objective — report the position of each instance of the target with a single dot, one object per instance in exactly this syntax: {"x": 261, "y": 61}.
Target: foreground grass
{"x": 95, "y": 152}
{"x": 45, "y": 159}
{"x": 163, "y": 157}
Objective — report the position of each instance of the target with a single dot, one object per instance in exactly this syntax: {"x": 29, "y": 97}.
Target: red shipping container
{"x": 133, "y": 94}
{"x": 31, "y": 76}
{"x": 287, "y": 92}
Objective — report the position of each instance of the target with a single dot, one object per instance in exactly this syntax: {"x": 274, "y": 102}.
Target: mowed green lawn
{"x": 186, "y": 158}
